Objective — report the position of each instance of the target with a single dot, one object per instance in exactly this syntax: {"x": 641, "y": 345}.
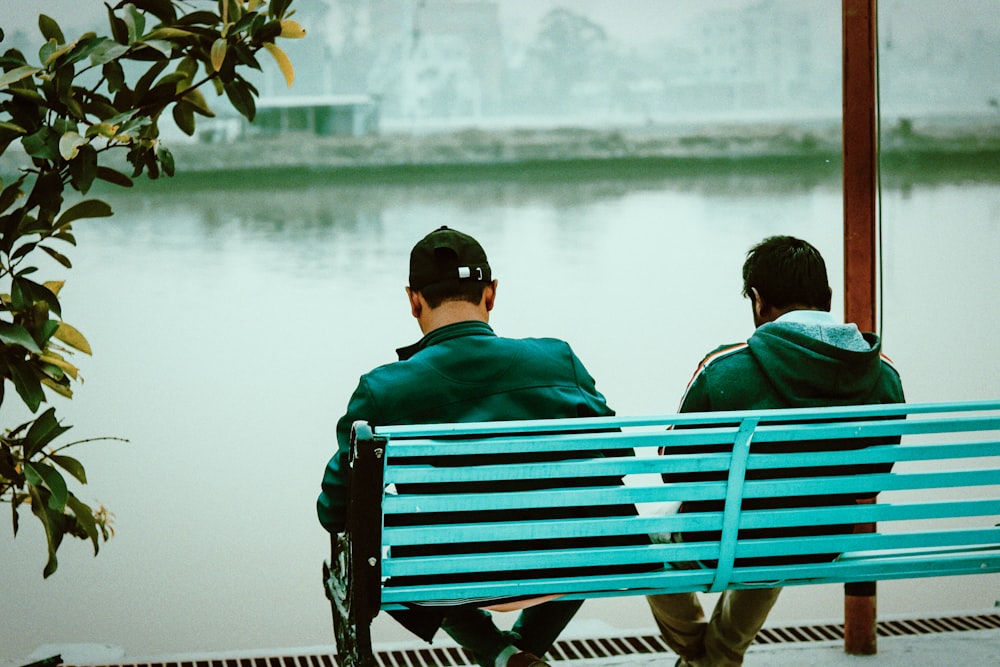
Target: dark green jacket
{"x": 794, "y": 366}
{"x": 462, "y": 373}
{"x": 811, "y": 362}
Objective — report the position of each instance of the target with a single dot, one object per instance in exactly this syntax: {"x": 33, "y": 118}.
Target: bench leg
{"x": 860, "y": 619}
{"x": 354, "y": 640}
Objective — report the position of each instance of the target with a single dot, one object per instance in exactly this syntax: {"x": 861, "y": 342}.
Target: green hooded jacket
{"x": 803, "y": 359}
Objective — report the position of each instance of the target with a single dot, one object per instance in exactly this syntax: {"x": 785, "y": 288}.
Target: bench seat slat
{"x": 880, "y": 543}
{"x": 915, "y": 563}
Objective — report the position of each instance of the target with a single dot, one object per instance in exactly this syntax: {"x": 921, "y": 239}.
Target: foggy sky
{"x": 630, "y": 21}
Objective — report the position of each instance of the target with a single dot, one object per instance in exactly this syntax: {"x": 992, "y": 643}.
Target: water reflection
{"x": 231, "y": 319}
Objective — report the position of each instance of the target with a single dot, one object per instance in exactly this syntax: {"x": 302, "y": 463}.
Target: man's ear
{"x": 758, "y": 303}
{"x": 490, "y": 295}
{"x": 416, "y": 306}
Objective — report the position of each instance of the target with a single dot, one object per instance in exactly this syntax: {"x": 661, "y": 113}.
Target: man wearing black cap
{"x": 461, "y": 371}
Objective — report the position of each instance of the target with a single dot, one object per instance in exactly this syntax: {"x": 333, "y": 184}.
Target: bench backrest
{"x": 937, "y": 510}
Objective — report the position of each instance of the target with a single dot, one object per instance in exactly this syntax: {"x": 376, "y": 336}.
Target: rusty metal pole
{"x": 860, "y": 235}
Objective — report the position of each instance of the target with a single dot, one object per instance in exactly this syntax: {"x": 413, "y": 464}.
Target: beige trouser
{"x": 720, "y": 642}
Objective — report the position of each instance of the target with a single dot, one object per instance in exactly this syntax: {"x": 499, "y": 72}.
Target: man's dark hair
{"x": 787, "y": 271}
{"x": 453, "y": 290}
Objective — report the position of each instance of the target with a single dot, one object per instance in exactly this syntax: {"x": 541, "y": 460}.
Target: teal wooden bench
{"x": 937, "y": 513}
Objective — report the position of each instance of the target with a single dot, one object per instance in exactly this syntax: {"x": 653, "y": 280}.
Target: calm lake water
{"x": 230, "y": 322}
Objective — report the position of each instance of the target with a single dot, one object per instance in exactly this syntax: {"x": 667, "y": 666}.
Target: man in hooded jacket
{"x": 798, "y": 356}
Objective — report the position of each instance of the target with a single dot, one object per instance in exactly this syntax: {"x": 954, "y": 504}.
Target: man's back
{"x": 465, "y": 372}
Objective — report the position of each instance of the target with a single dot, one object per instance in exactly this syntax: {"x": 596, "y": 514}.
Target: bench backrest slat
{"x": 455, "y": 497}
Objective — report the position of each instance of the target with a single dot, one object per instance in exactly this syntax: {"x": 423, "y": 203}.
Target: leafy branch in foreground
{"x": 80, "y": 102}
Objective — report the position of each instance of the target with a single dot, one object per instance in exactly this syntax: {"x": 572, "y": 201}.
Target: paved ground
{"x": 975, "y": 648}
{"x": 980, "y": 648}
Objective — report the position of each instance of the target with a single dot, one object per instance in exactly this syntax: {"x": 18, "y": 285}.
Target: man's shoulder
{"x": 725, "y": 355}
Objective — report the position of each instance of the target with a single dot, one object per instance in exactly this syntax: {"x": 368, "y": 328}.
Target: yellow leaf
{"x": 168, "y": 33}
{"x": 292, "y": 29}
{"x": 58, "y": 388}
{"x": 218, "y": 53}
{"x": 54, "y": 285}
{"x": 102, "y": 129}
{"x": 59, "y": 52}
{"x": 69, "y": 145}
{"x": 283, "y": 62}
{"x": 57, "y": 360}
{"x": 69, "y": 335}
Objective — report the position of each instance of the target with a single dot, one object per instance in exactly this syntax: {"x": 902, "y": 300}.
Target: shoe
{"x": 525, "y": 659}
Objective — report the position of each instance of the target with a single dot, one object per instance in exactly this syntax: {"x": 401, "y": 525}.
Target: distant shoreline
{"x": 950, "y": 151}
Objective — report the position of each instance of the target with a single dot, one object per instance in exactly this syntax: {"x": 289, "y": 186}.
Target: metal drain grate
{"x": 605, "y": 647}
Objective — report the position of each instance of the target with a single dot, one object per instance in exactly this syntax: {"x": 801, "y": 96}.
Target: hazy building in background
{"x": 440, "y": 61}
{"x": 479, "y": 62}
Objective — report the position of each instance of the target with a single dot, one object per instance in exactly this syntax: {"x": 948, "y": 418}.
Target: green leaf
{"x": 38, "y": 472}
{"x": 42, "y": 431}
{"x": 135, "y": 21}
{"x": 26, "y": 383}
{"x": 174, "y": 77}
{"x": 25, "y": 293}
{"x": 83, "y": 169}
{"x": 241, "y": 99}
{"x": 118, "y": 28}
{"x": 201, "y": 17}
{"x": 53, "y": 531}
{"x": 105, "y": 51}
{"x": 166, "y": 160}
{"x": 88, "y": 208}
{"x": 161, "y": 9}
{"x": 183, "y": 114}
{"x": 58, "y": 256}
{"x": 70, "y": 465}
{"x": 277, "y": 8}
{"x": 44, "y": 332}
{"x": 17, "y": 74}
{"x": 85, "y": 519}
{"x": 115, "y": 75}
{"x": 50, "y": 29}
{"x": 43, "y": 144}
{"x": 112, "y": 176}
{"x": 16, "y": 334}
{"x": 16, "y": 129}
{"x": 10, "y": 193}
{"x": 146, "y": 80}
{"x": 161, "y": 45}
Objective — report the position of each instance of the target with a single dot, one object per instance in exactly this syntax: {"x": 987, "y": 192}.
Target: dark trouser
{"x": 723, "y": 639}
{"x": 535, "y": 631}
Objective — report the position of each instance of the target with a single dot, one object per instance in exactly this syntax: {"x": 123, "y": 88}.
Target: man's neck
{"x": 451, "y": 312}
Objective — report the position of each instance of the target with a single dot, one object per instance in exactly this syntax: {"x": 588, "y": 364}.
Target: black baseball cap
{"x": 445, "y": 255}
